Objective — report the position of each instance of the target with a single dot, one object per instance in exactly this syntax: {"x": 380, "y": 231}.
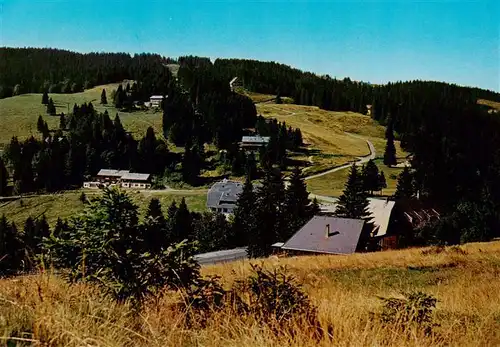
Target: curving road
{"x": 361, "y": 160}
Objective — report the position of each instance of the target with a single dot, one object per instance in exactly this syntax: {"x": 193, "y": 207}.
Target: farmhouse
{"x": 253, "y": 142}
{"x": 223, "y": 195}
{"x": 124, "y": 178}
{"x": 326, "y": 235}
{"x": 155, "y": 100}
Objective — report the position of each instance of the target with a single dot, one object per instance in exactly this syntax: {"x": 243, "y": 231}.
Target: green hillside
{"x": 18, "y": 114}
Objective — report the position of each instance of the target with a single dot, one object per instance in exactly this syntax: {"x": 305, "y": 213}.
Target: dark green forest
{"x": 453, "y": 141}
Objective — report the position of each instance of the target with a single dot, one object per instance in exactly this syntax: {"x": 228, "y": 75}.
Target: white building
{"x": 155, "y": 100}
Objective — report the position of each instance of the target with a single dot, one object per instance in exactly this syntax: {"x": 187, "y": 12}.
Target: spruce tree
{"x": 62, "y": 122}
{"x": 243, "y": 225}
{"x": 296, "y": 206}
{"x": 104, "y": 99}
{"x": 51, "y": 108}
{"x": 3, "y": 178}
{"x": 181, "y": 226}
{"x": 30, "y": 240}
{"x": 353, "y": 203}
{"x": 45, "y": 98}
{"x": 269, "y": 214}
{"x": 10, "y": 248}
{"x": 40, "y": 124}
{"x": 382, "y": 183}
{"x": 390, "y": 148}
{"x": 370, "y": 176}
{"x": 405, "y": 188}
{"x": 155, "y": 211}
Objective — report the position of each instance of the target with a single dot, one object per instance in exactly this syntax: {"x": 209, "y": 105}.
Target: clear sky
{"x": 374, "y": 41}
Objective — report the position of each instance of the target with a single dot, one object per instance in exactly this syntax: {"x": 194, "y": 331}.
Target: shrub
{"x": 277, "y": 300}
{"x": 414, "y": 308}
{"x": 106, "y": 245}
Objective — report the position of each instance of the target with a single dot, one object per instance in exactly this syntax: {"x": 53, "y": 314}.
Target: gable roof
{"x": 135, "y": 176}
{"x": 224, "y": 193}
{"x": 255, "y": 139}
{"x": 222, "y": 256}
{"x": 343, "y": 236}
{"x": 112, "y": 173}
{"x": 380, "y": 210}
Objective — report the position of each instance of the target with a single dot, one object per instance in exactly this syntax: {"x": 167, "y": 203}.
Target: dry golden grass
{"x": 44, "y": 309}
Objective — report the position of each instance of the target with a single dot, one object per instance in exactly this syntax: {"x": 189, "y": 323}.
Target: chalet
{"x": 222, "y": 196}
{"x": 110, "y": 176}
{"x": 326, "y": 235}
{"x": 123, "y": 178}
{"x": 136, "y": 180}
{"x": 155, "y": 100}
{"x": 254, "y": 142}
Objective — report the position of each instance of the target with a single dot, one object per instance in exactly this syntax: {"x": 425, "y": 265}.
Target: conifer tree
{"x": 51, "y": 108}
{"x": 382, "y": 183}
{"x": 3, "y": 178}
{"x": 353, "y": 202}
{"x": 269, "y": 214}
{"x": 29, "y": 236}
{"x": 296, "y": 207}
{"x": 62, "y": 122}
{"x": 40, "y": 124}
{"x": 10, "y": 248}
{"x": 405, "y": 188}
{"x": 370, "y": 176}
{"x": 390, "y": 149}
{"x": 181, "y": 224}
{"x": 45, "y": 98}
{"x": 104, "y": 99}
{"x": 243, "y": 225}
{"x": 155, "y": 211}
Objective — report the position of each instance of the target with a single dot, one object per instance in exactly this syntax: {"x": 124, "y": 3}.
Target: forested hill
{"x": 35, "y": 70}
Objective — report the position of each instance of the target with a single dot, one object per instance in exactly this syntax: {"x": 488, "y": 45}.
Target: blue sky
{"x": 375, "y": 41}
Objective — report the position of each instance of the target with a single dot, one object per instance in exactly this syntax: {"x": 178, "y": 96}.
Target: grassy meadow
{"x": 42, "y": 309}
{"x": 19, "y": 114}
{"x": 68, "y": 204}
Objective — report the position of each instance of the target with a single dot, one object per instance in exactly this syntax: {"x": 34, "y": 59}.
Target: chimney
{"x": 327, "y": 231}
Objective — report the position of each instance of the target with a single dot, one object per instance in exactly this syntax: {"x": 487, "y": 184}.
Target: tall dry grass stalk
{"x": 44, "y": 310}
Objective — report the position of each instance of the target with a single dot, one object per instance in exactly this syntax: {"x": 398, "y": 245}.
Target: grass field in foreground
{"x": 333, "y": 184}
{"x": 67, "y": 204}
{"x": 19, "y": 114}
{"x": 346, "y": 290}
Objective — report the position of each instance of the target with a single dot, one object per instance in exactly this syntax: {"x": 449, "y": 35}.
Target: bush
{"x": 414, "y": 308}
{"x": 107, "y": 245}
{"x": 276, "y": 300}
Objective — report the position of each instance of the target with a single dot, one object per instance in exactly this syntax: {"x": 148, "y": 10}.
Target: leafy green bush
{"x": 107, "y": 245}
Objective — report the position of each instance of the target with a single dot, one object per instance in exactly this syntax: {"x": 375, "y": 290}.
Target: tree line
{"x": 38, "y": 70}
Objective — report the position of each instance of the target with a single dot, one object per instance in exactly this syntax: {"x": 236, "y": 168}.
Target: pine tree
{"x": 154, "y": 210}
{"x": 382, "y": 183}
{"x": 390, "y": 149}
{"x": 3, "y": 178}
{"x": 62, "y": 122}
{"x": 104, "y": 99}
{"x": 40, "y": 124}
{"x": 353, "y": 202}
{"x": 10, "y": 248}
{"x": 42, "y": 230}
{"x": 51, "y": 108}
{"x": 251, "y": 166}
{"x": 29, "y": 236}
{"x": 45, "y": 98}
{"x": 269, "y": 214}
{"x": 405, "y": 188}
{"x": 296, "y": 206}
{"x": 243, "y": 225}
{"x": 181, "y": 226}
{"x": 370, "y": 176}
